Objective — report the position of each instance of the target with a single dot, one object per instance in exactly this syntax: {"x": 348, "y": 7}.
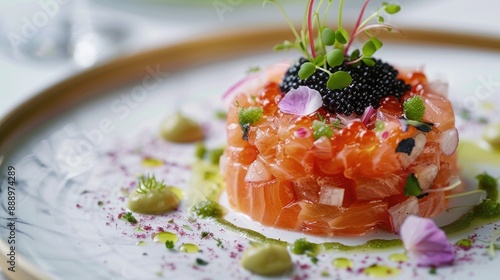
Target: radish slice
{"x": 420, "y": 141}
{"x": 426, "y": 173}
{"x": 369, "y": 111}
{"x": 257, "y": 172}
{"x": 401, "y": 211}
{"x": 449, "y": 141}
{"x": 345, "y": 120}
{"x": 234, "y": 88}
{"x": 331, "y": 196}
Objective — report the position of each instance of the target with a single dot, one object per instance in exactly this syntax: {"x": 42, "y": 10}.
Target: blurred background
{"x": 45, "y": 41}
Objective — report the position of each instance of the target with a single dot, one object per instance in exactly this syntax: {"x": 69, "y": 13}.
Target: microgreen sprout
{"x": 129, "y": 218}
{"x": 414, "y": 108}
{"x": 317, "y": 36}
{"x": 247, "y": 117}
{"x": 148, "y": 184}
{"x": 219, "y": 243}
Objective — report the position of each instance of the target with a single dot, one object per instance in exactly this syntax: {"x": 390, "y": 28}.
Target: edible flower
{"x": 425, "y": 242}
{"x": 301, "y": 101}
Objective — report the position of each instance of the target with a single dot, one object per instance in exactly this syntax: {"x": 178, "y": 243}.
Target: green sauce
{"x": 152, "y": 162}
{"x": 374, "y": 244}
{"x": 189, "y": 248}
{"x": 208, "y": 209}
{"x": 343, "y": 263}
{"x": 181, "y": 129}
{"x": 381, "y": 271}
{"x": 485, "y": 212}
{"x": 248, "y": 233}
{"x": 162, "y": 237}
{"x": 398, "y": 257}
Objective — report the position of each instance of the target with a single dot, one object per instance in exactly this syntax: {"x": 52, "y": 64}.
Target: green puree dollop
{"x": 153, "y": 197}
{"x": 207, "y": 209}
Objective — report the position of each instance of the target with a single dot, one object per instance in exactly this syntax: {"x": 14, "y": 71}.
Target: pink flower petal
{"x": 301, "y": 101}
{"x": 427, "y": 243}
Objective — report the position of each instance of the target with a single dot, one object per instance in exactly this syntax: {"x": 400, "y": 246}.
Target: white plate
{"x": 94, "y": 135}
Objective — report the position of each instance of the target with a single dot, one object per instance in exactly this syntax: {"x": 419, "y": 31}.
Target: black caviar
{"x": 369, "y": 85}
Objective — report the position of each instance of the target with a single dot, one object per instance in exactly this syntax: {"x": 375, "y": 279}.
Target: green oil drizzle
{"x": 470, "y": 152}
{"x": 152, "y": 162}
{"x": 381, "y": 271}
{"x": 162, "y": 237}
{"x": 343, "y": 263}
{"x": 398, "y": 257}
{"x": 189, "y": 248}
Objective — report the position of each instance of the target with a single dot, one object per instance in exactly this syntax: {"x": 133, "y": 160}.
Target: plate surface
{"x": 77, "y": 146}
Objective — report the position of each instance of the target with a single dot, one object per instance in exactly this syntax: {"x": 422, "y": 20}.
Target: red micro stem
{"x": 310, "y": 28}
{"x": 358, "y": 22}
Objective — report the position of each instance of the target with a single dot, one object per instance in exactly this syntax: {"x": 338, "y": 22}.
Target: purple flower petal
{"x": 427, "y": 243}
{"x": 302, "y": 101}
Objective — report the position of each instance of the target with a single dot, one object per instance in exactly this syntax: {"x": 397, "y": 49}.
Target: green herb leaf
{"x": 392, "y": 8}
{"x": 412, "y": 187}
{"x": 201, "y": 261}
{"x": 355, "y": 55}
{"x": 253, "y": 69}
{"x": 319, "y": 60}
{"x": 129, "y": 218}
{"x": 369, "y": 49}
{"x": 149, "y": 184}
{"x": 169, "y": 244}
{"x": 341, "y": 37}
{"x": 380, "y": 19}
{"x": 376, "y": 42}
{"x": 328, "y": 36}
{"x": 205, "y": 234}
{"x": 368, "y": 61}
{"x": 286, "y": 45}
{"x": 414, "y": 108}
{"x": 248, "y": 116}
{"x": 433, "y": 271}
{"x": 219, "y": 242}
{"x": 339, "y": 80}
{"x": 321, "y": 129}
{"x": 306, "y": 70}
{"x": 335, "y": 57}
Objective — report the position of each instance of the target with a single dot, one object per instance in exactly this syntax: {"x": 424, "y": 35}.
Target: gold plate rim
{"x": 55, "y": 100}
